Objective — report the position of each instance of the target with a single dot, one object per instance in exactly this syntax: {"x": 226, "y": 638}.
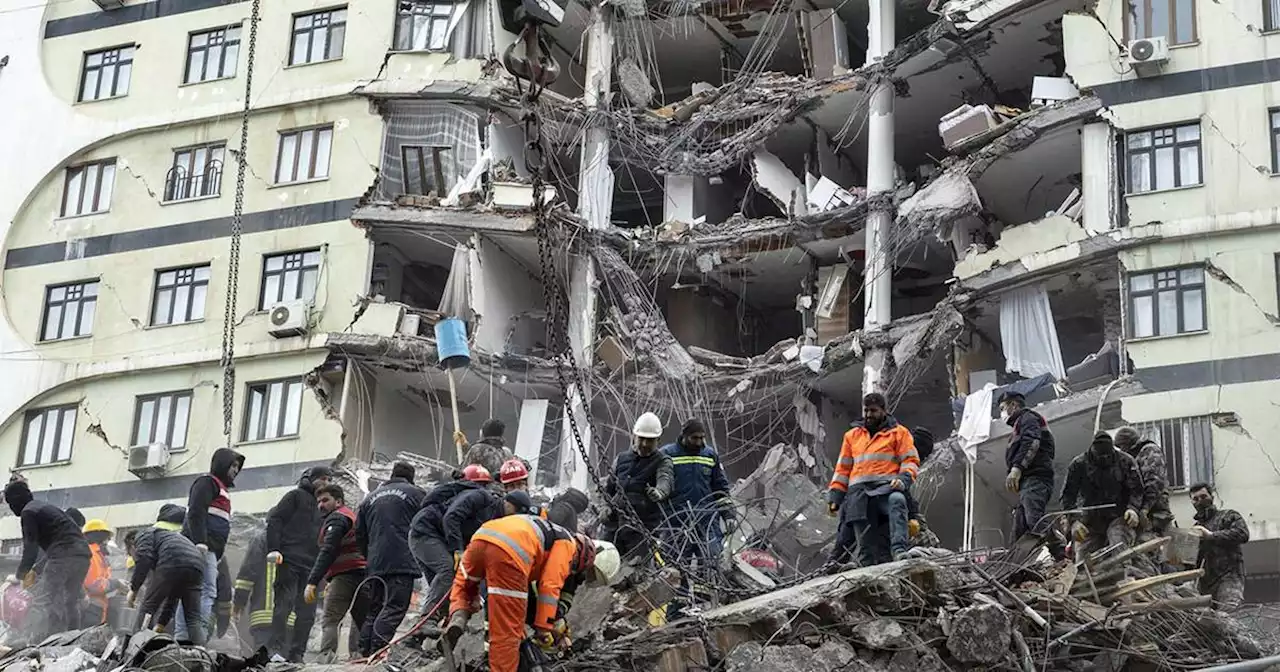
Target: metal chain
{"x": 233, "y": 259}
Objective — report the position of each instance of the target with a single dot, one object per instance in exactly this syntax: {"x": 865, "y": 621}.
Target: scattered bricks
{"x": 980, "y": 634}
{"x": 882, "y": 634}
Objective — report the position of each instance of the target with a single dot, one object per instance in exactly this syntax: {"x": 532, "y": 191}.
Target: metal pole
{"x": 1246, "y": 666}
{"x": 880, "y": 181}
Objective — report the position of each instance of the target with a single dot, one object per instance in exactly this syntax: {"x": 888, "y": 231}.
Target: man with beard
{"x": 1102, "y": 477}
{"x": 1223, "y": 534}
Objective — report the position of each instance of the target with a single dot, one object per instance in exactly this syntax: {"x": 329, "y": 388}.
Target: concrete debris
{"x": 634, "y": 83}
{"x": 980, "y": 634}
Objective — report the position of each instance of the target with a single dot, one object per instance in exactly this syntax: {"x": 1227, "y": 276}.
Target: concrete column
{"x": 880, "y": 180}
{"x": 1098, "y": 186}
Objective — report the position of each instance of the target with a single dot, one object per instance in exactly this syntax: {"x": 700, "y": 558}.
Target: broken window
{"x": 304, "y": 155}
{"x": 1163, "y": 158}
{"x": 1174, "y": 20}
{"x": 162, "y": 418}
{"x": 273, "y": 410}
{"x": 47, "y": 435}
{"x": 68, "y": 310}
{"x": 428, "y": 148}
{"x": 106, "y": 73}
{"x": 212, "y": 54}
{"x": 289, "y": 277}
{"x": 318, "y": 36}
{"x": 1188, "y": 448}
{"x": 196, "y": 173}
{"x": 424, "y": 26}
{"x": 1167, "y": 302}
{"x": 424, "y": 171}
{"x": 180, "y": 295}
{"x": 87, "y": 188}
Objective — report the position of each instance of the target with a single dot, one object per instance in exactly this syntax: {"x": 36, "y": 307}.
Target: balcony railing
{"x": 181, "y": 186}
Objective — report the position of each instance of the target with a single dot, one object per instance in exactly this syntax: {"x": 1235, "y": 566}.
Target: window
{"x": 1270, "y": 15}
{"x": 196, "y": 173}
{"x": 304, "y": 155}
{"x": 1171, "y": 301}
{"x": 424, "y": 170}
{"x": 273, "y": 410}
{"x": 1175, "y": 20}
{"x": 1163, "y": 158}
{"x": 180, "y": 295}
{"x": 87, "y": 188}
{"x": 424, "y": 25}
{"x": 289, "y": 277}
{"x": 68, "y": 310}
{"x": 318, "y": 36}
{"x": 1188, "y": 448}
{"x": 1275, "y": 139}
{"x": 106, "y": 73}
{"x": 11, "y": 546}
{"x": 212, "y": 55}
{"x": 162, "y": 418}
{"x": 46, "y": 435}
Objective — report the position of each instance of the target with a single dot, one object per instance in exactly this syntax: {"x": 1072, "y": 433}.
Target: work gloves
{"x": 834, "y": 499}
{"x": 1079, "y": 532}
{"x": 913, "y": 528}
{"x": 545, "y": 641}
{"x": 1014, "y": 480}
{"x": 204, "y": 548}
{"x": 1131, "y": 518}
{"x": 457, "y": 560}
{"x": 653, "y": 494}
{"x": 728, "y": 522}
{"x": 274, "y": 558}
{"x": 459, "y": 438}
{"x": 29, "y": 579}
{"x": 309, "y": 593}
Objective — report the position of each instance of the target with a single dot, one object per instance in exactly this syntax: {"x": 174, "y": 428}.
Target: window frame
{"x": 438, "y": 153}
{"x": 300, "y": 133}
{"x": 1270, "y": 19}
{"x": 1150, "y": 150}
{"x": 175, "y": 396}
{"x": 120, "y": 61}
{"x": 194, "y": 284}
{"x": 1170, "y": 34}
{"x": 264, "y": 387}
{"x": 1178, "y": 455}
{"x": 222, "y": 47}
{"x": 295, "y": 32}
{"x": 1179, "y": 290}
{"x": 1273, "y": 121}
{"x": 100, "y": 202}
{"x": 432, "y": 20}
{"x": 301, "y": 269}
{"x": 62, "y": 303}
{"x": 209, "y": 180}
{"x": 43, "y": 412}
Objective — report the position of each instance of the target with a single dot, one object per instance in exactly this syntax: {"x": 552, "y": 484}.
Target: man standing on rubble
{"x": 641, "y": 481}
{"x": 293, "y": 529}
{"x": 1155, "y": 515}
{"x": 208, "y": 524}
{"x": 1105, "y": 481}
{"x": 699, "y": 502}
{"x": 342, "y": 568}
{"x": 1029, "y": 461}
{"x": 55, "y": 607}
{"x": 382, "y": 535}
{"x": 491, "y": 450}
{"x": 1223, "y": 534}
{"x": 878, "y": 463}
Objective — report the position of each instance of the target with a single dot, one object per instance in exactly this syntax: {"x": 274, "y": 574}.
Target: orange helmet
{"x": 512, "y": 471}
{"x": 585, "y": 558}
{"x": 476, "y": 474}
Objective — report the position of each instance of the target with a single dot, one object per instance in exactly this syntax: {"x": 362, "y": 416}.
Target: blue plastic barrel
{"x": 451, "y": 343}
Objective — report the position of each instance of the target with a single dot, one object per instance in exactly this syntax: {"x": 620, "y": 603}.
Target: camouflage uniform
{"x": 1155, "y": 512}
{"x": 1092, "y": 481}
{"x": 489, "y": 453}
{"x": 1222, "y": 556}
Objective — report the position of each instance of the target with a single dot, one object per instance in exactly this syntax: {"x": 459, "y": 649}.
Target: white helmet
{"x": 648, "y": 426}
{"x": 608, "y": 561}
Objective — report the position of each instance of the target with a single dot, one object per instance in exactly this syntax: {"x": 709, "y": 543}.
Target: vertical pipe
{"x": 880, "y": 181}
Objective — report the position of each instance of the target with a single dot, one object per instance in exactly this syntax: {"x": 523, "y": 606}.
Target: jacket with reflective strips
{"x": 699, "y": 483}
{"x": 890, "y": 454}
{"x": 255, "y": 584}
{"x": 543, "y": 551}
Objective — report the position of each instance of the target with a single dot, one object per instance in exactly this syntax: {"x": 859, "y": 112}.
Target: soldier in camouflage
{"x": 1223, "y": 534}
{"x": 1102, "y": 476}
{"x": 1155, "y": 514}
{"x": 491, "y": 450}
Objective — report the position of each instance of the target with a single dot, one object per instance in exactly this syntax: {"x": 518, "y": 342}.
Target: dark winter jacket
{"x": 633, "y": 475}
{"x": 293, "y": 525}
{"x": 429, "y": 520}
{"x": 48, "y": 528}
{"x": 339, "y": 553}
{"x": 208, "y": 518}
{"x": 382, "y": 527}
{"x": 699, "y": 481}
{"x": 1092, "y": 481}
{"x": 170, "y": 518}
{"x": 566, "y": 507}
{"x": 467, "y": 512}
{"x": 223, "y": 600}
{"x": 255, "y": 583}
{"x": 164, "y": 550}
{"x": 1222, "y": 550}
{"x": 1028, "y": 427}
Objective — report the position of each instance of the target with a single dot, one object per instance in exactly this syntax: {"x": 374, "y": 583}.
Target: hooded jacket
{"x": 164, "y": 550}
{"x": 208, "y": 519}
{"x": 338, "y": 551}
{"x": 429, "y": 520}
{"x": 1029, "y": 426}
{"x": 699, "y": 484}
{"x": 44, "y": 527}
{"x": 467, "y": 512}
{"x": 170, "y": 518}
{"x": 382, "y": 527}
{"x": 1095, "y": 481}
{"x": 293, "y": 525}
{"x": 566, "y": 507}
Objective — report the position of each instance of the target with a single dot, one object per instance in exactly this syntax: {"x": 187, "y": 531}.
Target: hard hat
{"x": 512, "y": 471}
{"x": 476, "y": 474}
{"x": 95, "y": 525}
{"x": 608, "y": 561}
{"x": 648, "y": 426}
{"x": 585, "y": 557}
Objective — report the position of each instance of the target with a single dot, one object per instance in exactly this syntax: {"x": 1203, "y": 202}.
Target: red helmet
{"x": 512, "y": 471}
{"x": 476, "y": 474}
{"x": 585, "y": 558}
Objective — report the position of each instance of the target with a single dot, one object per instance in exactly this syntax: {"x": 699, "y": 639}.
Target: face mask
{"x": 1203, "y": 505}
{"x": 1004, "y": 415}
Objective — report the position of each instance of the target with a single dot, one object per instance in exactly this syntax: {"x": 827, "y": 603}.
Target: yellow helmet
{"x": 95, "y": 525}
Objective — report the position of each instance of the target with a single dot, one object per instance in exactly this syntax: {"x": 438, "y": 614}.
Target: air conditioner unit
{"x": 1148, "y": 54}
{"x": 149, "y": 461}
{"x": 107, "y": 5}
{"x": 288, "y": 319}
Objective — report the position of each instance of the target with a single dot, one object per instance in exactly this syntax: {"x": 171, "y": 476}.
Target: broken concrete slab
{"x": 882, "y": 634}
{"x": 980, "y": 634}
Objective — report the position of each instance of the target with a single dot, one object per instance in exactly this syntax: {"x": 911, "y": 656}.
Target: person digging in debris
{"x": 1102, "y": 477}
{"x": 699, "y": 504}
{"x": 382, "y": 535}
{"x": 1029, "y": 461}
{"x": 98, "y": 584}
{"x": 641, "y": 481}
{"x": 293, "y": 530}
{"x": 491, "y": 450}
{"x": 179, "y": 577}
{"x": 169, "y": 518}
{"x": 1155, "y": 515}
{"x": 566, "y": 507}
{"x": 878, "y": 463}
{"x": 341, "y": 566}
{"x": 208, "y": 523}
{"x": 427, "y": 539}
{"x": 55, "y": 606}
{"x": 507, "y": 554}
{"x": 1223, "y": 534}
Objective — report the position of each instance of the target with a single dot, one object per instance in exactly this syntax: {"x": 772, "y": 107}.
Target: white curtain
{"x": 1028, "y": 334}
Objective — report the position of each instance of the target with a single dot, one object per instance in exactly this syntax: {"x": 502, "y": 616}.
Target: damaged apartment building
{"x": 1071, "y": 198}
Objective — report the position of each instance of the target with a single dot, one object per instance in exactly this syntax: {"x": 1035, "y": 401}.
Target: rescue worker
{"x": 341, "y": 566}
{"x": 699, "y": 504}
{"x": 97, "y": 583}
{"x": 641, "y": 481}
{"x": 293, "y": 530}
{"x": 566, "y": 507}
{"x": 382, "y": 535}
{"x": 179, "y": 577}
{"x": 1028, "y": 460}
{"x": 55, "y": 606}
{"x": 1102, "y": 476}
{"x": 491, "y": 450}
{"x": 507, "y": 554}
{"x": 877, "y": 465}
{"x": 1155, "y": 515}
{"x": 254, "y": 595}
{"x": 514, "y": 475}
{"x": 1223, "y": 534}
{"x": 208, "y": 522}
{"x": 427, "y": 539}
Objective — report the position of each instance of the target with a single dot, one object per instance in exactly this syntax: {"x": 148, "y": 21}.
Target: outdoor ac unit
{"x": 149, "y": 461}
{"x": 107, "y": 5}
{"x": 288, "y": 319}
{"x": 1148, "y": 54}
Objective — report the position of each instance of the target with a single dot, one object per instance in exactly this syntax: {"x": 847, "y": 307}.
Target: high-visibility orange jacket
{"x": 542, "y": 550}
{"x": 889, "y": 454}
{"x": 98, "y": 580}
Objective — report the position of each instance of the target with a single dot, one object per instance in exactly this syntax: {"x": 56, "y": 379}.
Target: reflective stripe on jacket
{"x": 699, "y": 483}
{"x": 890, "y": 454}
{"x": 349, "y": 557}
{"x": 543, "y": 551}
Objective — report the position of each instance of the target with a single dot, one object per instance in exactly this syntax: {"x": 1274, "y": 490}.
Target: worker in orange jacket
{"x": 97, "y": 583}
{"x": 878, "y": 463}
{"x": 508, "y": 554}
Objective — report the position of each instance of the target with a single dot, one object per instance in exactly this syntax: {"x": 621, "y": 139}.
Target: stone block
{"x": 980, "y": 634}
